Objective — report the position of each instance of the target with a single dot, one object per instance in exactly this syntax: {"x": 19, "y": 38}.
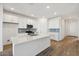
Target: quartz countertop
{"x": 21, "y": 38}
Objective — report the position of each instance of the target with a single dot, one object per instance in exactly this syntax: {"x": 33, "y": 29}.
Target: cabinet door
{"x": 10, "y": 18}
{"x": 22, "y": 22}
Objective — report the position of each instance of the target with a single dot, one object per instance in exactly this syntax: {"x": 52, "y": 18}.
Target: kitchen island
{"x": 25, "y": 45}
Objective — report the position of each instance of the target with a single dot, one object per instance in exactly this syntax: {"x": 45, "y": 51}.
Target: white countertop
{"x": 21, "y": 38}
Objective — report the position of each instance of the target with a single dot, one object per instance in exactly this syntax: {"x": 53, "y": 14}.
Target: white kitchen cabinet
{"x": 25, "y": 45}
{"x": 10, "y": 27}
{"x": 9, "y": 30}
{"x": 22, "y": 22}
{"x": 8, "y": 17}
{"x": 42, "y": 26}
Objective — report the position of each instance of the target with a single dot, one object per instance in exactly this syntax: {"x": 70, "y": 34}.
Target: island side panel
{"x": 31, "y": 48}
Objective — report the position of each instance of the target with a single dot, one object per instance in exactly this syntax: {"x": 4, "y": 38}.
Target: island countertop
{"x": 21, "y": 38}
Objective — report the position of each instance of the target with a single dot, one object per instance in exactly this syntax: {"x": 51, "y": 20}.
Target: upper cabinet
{"x": 10, "y": 18}
{"x": 22, "y": 22}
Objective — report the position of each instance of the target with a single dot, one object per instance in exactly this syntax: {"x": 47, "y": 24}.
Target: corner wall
{"x": 1, "y": 19}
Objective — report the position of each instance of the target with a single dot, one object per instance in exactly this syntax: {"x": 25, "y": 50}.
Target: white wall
{"x": 1, "y": 19}
{"x": 62, "y": 28}
{"x": 72, "y": 27}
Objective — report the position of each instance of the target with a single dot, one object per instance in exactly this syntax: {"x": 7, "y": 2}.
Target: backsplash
{"x": 23, "y": 30}
{"x": 54, "y": 30}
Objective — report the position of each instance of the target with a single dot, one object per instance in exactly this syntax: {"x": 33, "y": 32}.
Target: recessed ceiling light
{"x": 12, "y": 8}
{"x": 48, "y": 7}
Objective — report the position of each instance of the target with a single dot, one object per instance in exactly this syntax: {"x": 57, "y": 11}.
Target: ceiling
{"x": 38, "y": 10}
